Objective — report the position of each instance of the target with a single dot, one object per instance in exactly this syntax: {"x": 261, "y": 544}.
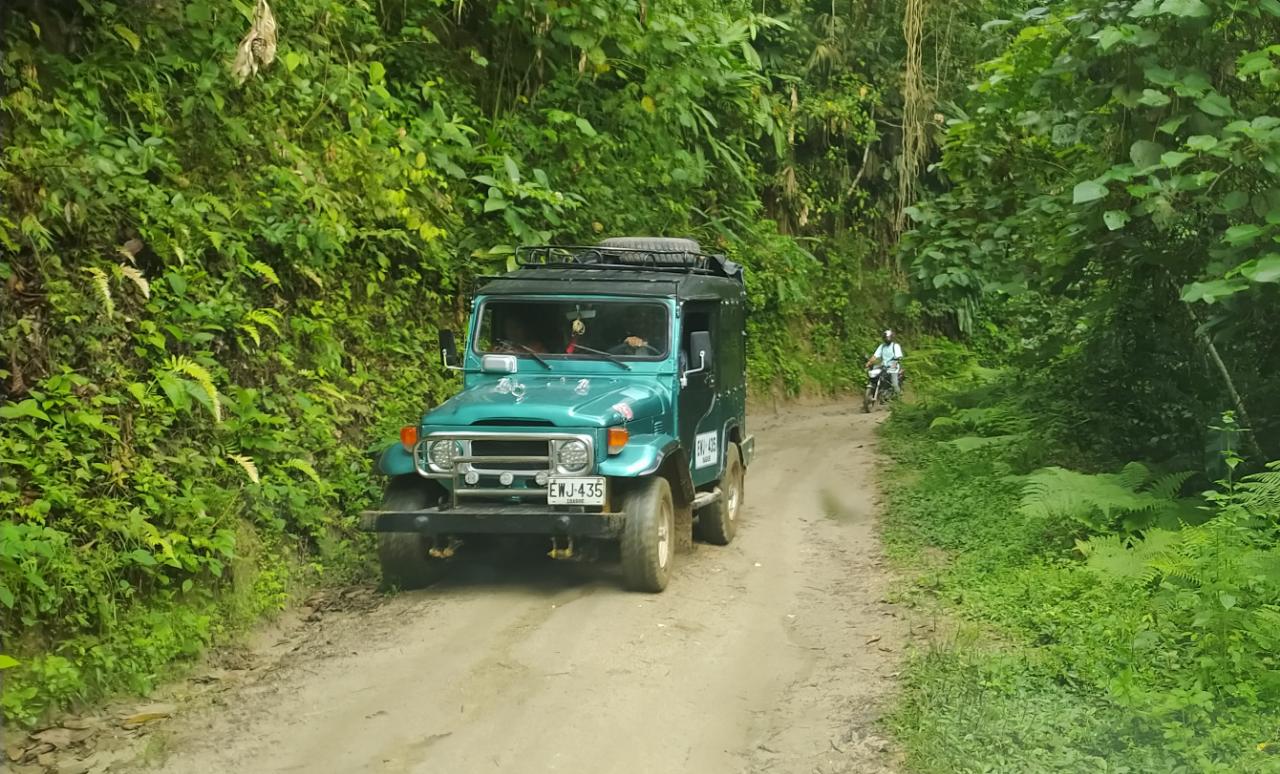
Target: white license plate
{"x": 580, "y": 490}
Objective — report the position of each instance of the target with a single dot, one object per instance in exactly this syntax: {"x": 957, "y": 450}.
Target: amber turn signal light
{"x": 618, "y": 437}
{"x": 409, "y": 436}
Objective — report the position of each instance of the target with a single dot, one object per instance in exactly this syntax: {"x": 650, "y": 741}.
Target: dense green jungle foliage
{"x": 1122, "y": 621}
{"x": 224, "y": 262}
{"x": 223, "y": 278}
{"x": 1096, "y": 521}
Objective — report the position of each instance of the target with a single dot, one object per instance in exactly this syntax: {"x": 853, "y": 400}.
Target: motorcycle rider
{"x": 889, "y": 354}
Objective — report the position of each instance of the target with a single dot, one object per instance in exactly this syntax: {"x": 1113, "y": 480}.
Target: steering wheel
{"x": 643, "y": 349}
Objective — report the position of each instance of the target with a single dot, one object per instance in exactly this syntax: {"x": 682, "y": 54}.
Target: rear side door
{"x": 697, "y": 412}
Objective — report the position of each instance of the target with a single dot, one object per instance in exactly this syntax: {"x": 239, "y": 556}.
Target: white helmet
{"x": 888, "y": 334}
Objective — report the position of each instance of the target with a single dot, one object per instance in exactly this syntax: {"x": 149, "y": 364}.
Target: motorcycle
{"x": 880, "y": 387}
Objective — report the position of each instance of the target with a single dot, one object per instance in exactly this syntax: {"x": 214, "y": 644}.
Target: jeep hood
{"x": 564, "y": 402}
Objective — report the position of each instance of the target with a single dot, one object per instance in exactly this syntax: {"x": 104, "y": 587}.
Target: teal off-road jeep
{"x": 603, "y": 403}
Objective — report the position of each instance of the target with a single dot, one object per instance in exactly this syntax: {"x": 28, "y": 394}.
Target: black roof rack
{"x": 532, "y": 257}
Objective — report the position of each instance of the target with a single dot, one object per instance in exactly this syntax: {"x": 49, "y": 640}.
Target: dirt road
{"x": 767, "y": 656}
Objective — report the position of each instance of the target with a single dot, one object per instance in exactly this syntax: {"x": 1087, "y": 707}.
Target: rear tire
{"x": 718, "y": 523}
{"x": 403, "y": 555}
{"x": 649, "y": 537}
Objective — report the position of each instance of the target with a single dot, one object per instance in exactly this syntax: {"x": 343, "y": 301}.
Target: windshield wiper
{"x": 529, "y": 351}
{"x": 525, "y": 348}
{"x": 606, "y": 355}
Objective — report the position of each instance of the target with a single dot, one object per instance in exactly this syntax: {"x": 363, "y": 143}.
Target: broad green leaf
{"x": 493, "y": 205}
{"x": 27, "y": 408}
{"x": 1154, "y": 98}
{"x": 1108, "y": 37}
{"x": 292, "y": 60}
{"x": 513, "y": 172}
{"x": 1242, "y": 234}
{"x": 1215, "y": 105}
{"x": 1115, "y": 219}
{"x": 1193, "y": 8}
{"x": 377, "y": 72}
{"x": 1174, "y": 158}
{"x": 1265, "y": 269}
{"x": 1159, "y": 75}
{"x": 1194, "y": 83}
{"x": 1145, "y": 153}
{"x": 1202, "y": 142}
{"x": 488, "y": 180}
{"x": 128, "y": 36}
{"x": 1234, "y": 201}
{"x": 585, "y": 127}
{"x": 1143, "y": 8}
{"x": 8, "y": 662}
{"x": 1173, "y": 124}
{"x": 1270, "y": 6}
{"x": 1211, "y": 291}
{"x": 1088, "y": 191}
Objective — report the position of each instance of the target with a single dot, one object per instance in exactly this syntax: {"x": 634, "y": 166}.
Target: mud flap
{"x": 684, "y": 528}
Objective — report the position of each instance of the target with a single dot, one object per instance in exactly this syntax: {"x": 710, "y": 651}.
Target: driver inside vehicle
{"x": 643, "y": 327}
{"x": 519, "y": 336}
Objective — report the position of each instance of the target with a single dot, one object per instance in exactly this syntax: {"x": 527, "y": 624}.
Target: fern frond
{"x": 940, "y": 422}
{"x": 103, "y": 286}
{"x": 1133, "y": 475}
{"x": 252, "y": 332}
{"x": 310, "y": 274}
{"x": 971, "y": 443}
{"x": 133, "y": 274}
{"x": 267, "y": 273}
{"x": 1051, "y": 492}
{"x": 244, "y": 462}
{"x": 184, "y": 366}
{"x": 1168, "y": 486}
{"x": 266, "y": 317}
{"x": 305, "y": 468}
{"x": 1260, "y": 492}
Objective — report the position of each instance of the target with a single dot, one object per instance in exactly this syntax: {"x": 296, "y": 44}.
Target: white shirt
{"x": 889, "y": 354}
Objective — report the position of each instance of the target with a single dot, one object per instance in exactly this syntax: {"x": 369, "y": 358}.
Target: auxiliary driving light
{"x": 540, "y": 478}
{"x": 506, "y": 478}
{"x": 472, "y": 478}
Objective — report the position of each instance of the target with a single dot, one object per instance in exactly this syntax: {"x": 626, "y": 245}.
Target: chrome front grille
{"x": 524, "y": 460}
{"x": 488, "y": 456}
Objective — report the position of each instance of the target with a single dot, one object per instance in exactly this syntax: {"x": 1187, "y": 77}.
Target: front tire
{"x": 403, "y": 555}
{"x": 867, "y": 400}
{"x": 718, "y": 523}
{"x": 648, "y": 543}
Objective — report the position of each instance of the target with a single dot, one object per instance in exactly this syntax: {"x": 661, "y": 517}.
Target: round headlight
{"x": 441, "y": 453}
{"x": 573, "y": 455}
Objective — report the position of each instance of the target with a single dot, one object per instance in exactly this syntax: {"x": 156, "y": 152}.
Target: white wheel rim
{"x": 664, "y": 537}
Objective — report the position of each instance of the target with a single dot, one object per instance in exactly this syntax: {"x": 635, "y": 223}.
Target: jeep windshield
{"x": 573, "y": 330}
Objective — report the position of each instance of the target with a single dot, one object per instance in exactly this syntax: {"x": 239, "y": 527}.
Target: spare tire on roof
{"x": 661, "y": 244}
{"x": 658, "y": 251}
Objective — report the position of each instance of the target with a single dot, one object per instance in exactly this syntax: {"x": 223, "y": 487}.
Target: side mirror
{"x": 449, "y": 351}
{"x": 699, "y": 346}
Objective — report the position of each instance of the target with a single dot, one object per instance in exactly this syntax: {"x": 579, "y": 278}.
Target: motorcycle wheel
{"x": 866, "y": 401}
